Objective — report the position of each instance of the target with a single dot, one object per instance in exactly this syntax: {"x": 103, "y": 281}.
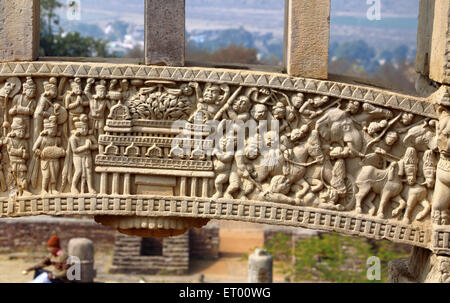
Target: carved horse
{"x": 387, "y": 183}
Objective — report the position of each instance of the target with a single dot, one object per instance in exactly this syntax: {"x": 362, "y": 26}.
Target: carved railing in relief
{"x": 106, "y": 140}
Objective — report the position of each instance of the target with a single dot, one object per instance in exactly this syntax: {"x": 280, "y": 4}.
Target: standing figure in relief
{"x": 45, "y": 106}
{"x": 17, "y": 146}
{"x": 48, "y": 149}
{"x": 79, "y": 153}
{"x": 98, "y": 104}
{"x": 23, "y": 105}
{"x": 294, "y": 112}
{"x": 222, "y": 164}
{"x": 75, "y": 102}
{"x": 242, "y": 176}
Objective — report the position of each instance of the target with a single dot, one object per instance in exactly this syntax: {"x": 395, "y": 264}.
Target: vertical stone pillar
{"x": 440, "y": 43}
{"x": 307, "y": 35}
{"x": 165, "y": 32}
{"x": 424, "y": 35}
{"x": 19, "y": 30}
{"x": 422, "y": 266}
{"x": 260, "y": 267}
{"x": 83, "y": 249}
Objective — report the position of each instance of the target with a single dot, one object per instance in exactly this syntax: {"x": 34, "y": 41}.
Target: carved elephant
{"x": 336, "y": 127}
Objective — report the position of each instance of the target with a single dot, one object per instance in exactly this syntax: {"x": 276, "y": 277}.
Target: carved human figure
{"x": 239, "y": 111}
{"x": 127, "y": 92}
{"x": 242, "y": 176}
{"x": 18, "y": 151}
{"x": 278, "y": 191}
{"x": 223, "y": 161}
{"x": 270, "y": 160}
{"x": 418, "y": 193}
{"x": 376, "y": 127}
{"x": 407, "y": 119}
{"x": 24, "y": 105}
{"x": 381, "y": 149}
{"x": 441, "y": 196}
{"x": 75, "y": 102}
{"x": 280, "y": 113}
{"x": 45, "y": 107}
{"x": 210, "y": 100}
{"x": 79, "y": 151}
{"x": 49, "y": 150}
{"x": 98, "y": 104}
{"x": 259, "y": 116}
{"x": 296, "y": 161}
{"x": 9, "y": 89}
{"x": 311, "y": 108}
{"x": 371, "y": 113}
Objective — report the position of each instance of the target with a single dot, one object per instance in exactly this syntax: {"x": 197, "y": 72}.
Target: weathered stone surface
{"x": 440, "y": 45}
{"x": 165, "y": 32}
{"x": 424, "y": 36}
{"x": 134, "y": 139}
{"x": 308, "y": 36}
{"x": 19, "y": 30}
{"x": 421, "y": 267}
{"x": 260, "y": 267}
{"x": 83, "y": 249}
{"x": 128, "y": 256}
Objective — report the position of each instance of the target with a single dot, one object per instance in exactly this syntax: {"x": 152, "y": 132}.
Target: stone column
{"x": 83, "y": 249}
{"x": 19, "y": 30}
{"x": 307, "y": 38}
{"x": 424, "y": 35}
{"x": 165, "y": 32}
{"x": 260, "y": 267}
{"x": 433, "y": 46}
{"x": 422, "y": 267}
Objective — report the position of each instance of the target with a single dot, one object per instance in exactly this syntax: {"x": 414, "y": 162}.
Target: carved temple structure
{"x": 138, "y": 145}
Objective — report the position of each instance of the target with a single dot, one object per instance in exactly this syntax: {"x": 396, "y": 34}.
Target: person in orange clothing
{"x": 56, "y": 258}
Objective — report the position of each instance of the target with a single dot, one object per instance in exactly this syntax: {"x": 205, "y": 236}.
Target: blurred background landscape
{"x": 242, "y": 31}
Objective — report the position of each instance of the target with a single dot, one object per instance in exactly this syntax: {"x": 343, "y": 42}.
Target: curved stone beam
{"x": 364, "y": 146}
{"x": 245, "y": 211}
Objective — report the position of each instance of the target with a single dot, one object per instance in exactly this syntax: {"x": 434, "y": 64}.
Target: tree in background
{"x": 230, "y": 54}
{"x": 331, "y": 257}
{"x": 390, "y": 68}
{"x": 55, "y": 42}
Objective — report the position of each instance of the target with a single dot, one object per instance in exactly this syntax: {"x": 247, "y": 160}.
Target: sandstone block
{"x": 165, "y": 32}
{"x": 308, "y": 38}
{"x": 440, "y": 44}
{"x": 424, "y": 36}
{"x": 19, "y": 30}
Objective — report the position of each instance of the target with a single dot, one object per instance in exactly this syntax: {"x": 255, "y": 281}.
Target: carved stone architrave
{"x": 137, "y": 147}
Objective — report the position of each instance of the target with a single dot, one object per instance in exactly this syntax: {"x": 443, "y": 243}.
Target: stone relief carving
{"x": 119, "y": 137}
